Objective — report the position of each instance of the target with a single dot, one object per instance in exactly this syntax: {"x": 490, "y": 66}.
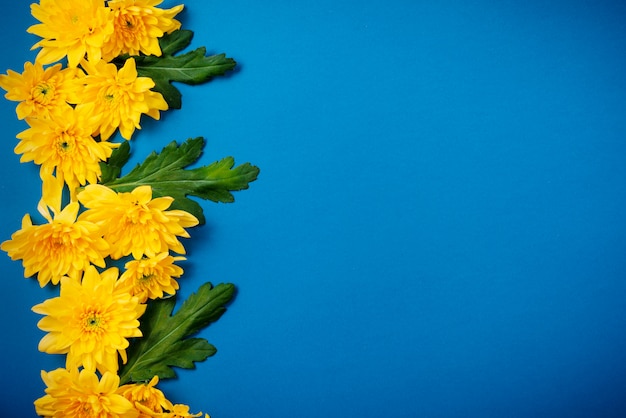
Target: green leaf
{"x": 166, "y": 174}
{"x": 112, "y": 168}
{"x": 176, "y": 41}
{"x": 165, "y": 343}
{"x": 193, "y": 67}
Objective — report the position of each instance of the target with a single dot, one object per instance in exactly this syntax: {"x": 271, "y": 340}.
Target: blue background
{"x": 438, "y": 229}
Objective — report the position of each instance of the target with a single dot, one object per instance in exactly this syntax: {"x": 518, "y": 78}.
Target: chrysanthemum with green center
{"x": 118, "y": 98}
{"x": 138, "y": 25}
{"x": 90, "y": 321}
{"x": 134, "y": 223}
{"x": 151, "y": 277}
{"x": 62, "y": 247}
{"x": 71, "y": 28}
{"x": 146, "y": 398}
{"x": 63, "y": 145}
{"x": 41, "y": 92}
{"x": 81, "y": 394}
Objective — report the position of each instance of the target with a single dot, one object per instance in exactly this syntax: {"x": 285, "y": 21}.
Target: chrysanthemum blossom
{"x": 150, "y": 278}
{"x": 119, "y": 98}
{"x": 138, "y": 25}
{"x": 72, "y": 28}
{"x": 62, "y": 247}
{"x": 80, "y": 394}
{"x": 90, "y": 321}
{"x": 135, "y": 223}
{"x": 181, "y": 411}
{"x": 64, "y": 145}
{"x": 40, "y": 91}
{"x": 147, "y": 399}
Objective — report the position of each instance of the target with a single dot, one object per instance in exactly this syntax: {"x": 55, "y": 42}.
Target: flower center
{"x": 43, "y": 93}
{"x": 56, "y": 234}
{"x": 137, "y": 213}
{"x": 146, "y": 278}
{"x": 82, "y": 409}
{"x": 129, "y": 26}
{"x": 150, "y": 402}
{"x": 65, "y": 143}
{"x": 56, "y": 245}
{"x": 87, "y": 410}
{"x": 111, "y": 97}
{"x": 93, "y": 321}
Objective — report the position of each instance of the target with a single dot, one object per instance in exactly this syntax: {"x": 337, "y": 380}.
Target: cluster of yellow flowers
{"x": 72, "y": 111}
{"x": 67, "y": 108}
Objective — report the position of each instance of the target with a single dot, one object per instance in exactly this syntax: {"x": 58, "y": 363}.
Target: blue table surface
{"x": 439, "y": 226}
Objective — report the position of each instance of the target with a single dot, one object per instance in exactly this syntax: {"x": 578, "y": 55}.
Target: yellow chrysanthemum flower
{"x": 180, "y": 411}
{"x": 134, "y": 223}
{"x": 40, "y": 92}
{"x": 147, "y": 399}
{"x": 71, "y": 28}
{"x": 138, "y": 25}
{"x": 150, "y": 277}
{"x": 62, "y": 247}
{"x": 64, "y": 145}
{"x": 81, "y": 394}
{"x": 119, "y": 98}
{"x": 90, "y": 321}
